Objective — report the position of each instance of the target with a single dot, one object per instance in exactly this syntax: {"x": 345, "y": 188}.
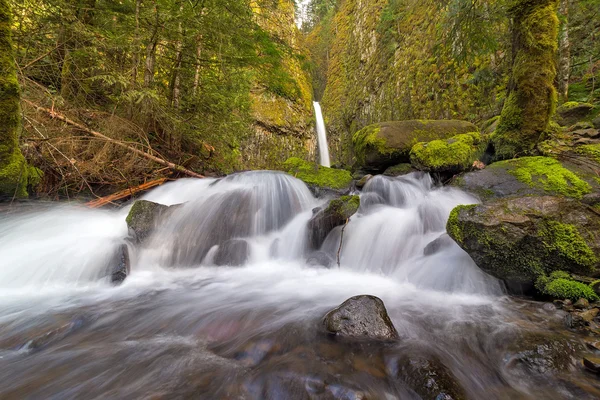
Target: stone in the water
{"x": 363, "y": 181}
{"x": 361, "y": 317}
{"x": 119, "y": 265}
{"x": 234, "y": 252}
{"x": 442, "y": 242}
{"x": 337, "y": 212}
{"x": 320, "y": 259}
{"x": 581, "y": 304}
{"x": 592, "y": 364}
{"x": 143, "y": 218}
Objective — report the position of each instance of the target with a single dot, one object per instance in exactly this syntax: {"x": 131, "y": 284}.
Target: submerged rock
{"x": 320, "y": 259}
{"x": 385, "y": 144}
{"x": 363, "y": 181}
{"x": 442, "y": 242}
{"x": 325, "y": 219}
{"x": 143, "y": 218}
{"x": 521, "y": 239}
{"x": 119, "y": 265}
{"x": 361, "y": 317}
{"x": 234, "y": 252}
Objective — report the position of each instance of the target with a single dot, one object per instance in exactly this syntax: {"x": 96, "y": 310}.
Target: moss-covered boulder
{"x": 527, "y": 176}
{"x": 318, "y": 176}
{"x": 399, "y": 169}
{"x": 520, "y": 239}
{"x": 452, "y": 155}
{"x": 143, "y": 218}
{"x": 336, "y": 213}
{"x": 379, "y": 146}
{"x": 561, "y": 285}
{"x": 571, "y": 112}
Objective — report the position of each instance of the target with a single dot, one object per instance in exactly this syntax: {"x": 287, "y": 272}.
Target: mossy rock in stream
{"x": 379, "y": 146}
{"x": 317, "y": 175}
{"x": 520, "y": 239}
{"x": 452, "y": 155}
{"x": 325, "y": 219}
{"x": 527, "y": 176}
{"x": 561, "y": 285}
{"x": 143, "y": 218}
{"x": 17, "y": 177}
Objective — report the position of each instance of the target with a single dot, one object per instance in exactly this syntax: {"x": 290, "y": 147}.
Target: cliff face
{"x": 281, "y": 97}
{"x": 385, "y": 62}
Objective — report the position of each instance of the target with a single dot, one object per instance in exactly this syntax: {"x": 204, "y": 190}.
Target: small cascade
{"x": 322, "y": 137}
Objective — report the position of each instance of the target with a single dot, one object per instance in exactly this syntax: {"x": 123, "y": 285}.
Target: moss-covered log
{"x": 14, "y": 171}
{"x": 532, "y": 96}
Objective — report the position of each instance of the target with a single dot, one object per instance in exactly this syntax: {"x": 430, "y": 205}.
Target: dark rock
{"x": 572, "y": 112}
{"x": 517, "y": 239}
{"x": 119, "y": 265}
{"x": 592, "y": 364}
{"x": 543, "y": 352}
{"x": 233, "y": 252}
{"x": 442, "y": 242}
{"x": 336, "y": 213}
{"x": 427, "y": 376}
{"x": 363, "y": 181}
{"x": 400, "y": 169}
{"x": 575, "y": 321}
{"x": 385, "y": 144}
{"x": 596, "y": 122}
{"x": 320, "y": 259}
{"x": 596, "y": 287}
{"x": 581, "y": 304}
{"x": 143, "y": 218}
{"x": 361, "y": 317}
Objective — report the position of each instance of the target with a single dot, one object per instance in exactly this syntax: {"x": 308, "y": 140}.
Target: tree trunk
{"x": 564, "y": 63}
{"x": 151, "y": 52}
{"x": 136, "y": 45}
{"x": 14, "y": 171}
{"x": 197, "y": 73}
{"x": 176, "y": 80}
{"x": 531, "y": 97}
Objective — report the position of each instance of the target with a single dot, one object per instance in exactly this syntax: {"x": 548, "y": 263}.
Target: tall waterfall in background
{"x": 322, "y": 137}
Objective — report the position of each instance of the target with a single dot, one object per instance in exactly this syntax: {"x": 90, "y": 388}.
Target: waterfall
{"x": 322, "y": 137}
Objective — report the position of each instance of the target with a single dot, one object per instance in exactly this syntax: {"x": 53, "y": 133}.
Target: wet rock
{"x": 572, "y": 111}
{"x": 442, "y": 242}
{"x": 385, "y": 144}
{"x": 589, "y": 315}
{"x": 336, "y": 213}
{"x": 581, "y": 304}
{"x": 575, "y": 321}
{"x": 549, "y": 307}
{"x": 400, "y": 169}
{"x": 517, "y": 239}
{"x": 119, "y": 265}
{"x": 363, "y": 181}
{"x": 592, "y": 364}
{"x": 143, "y": 218}
{"x": 234, "y": 252}
{"x": 361, "y": 317}
{"x": 317, "y": 176}
{"x": 320, "y": 259}
{"x": 543, "y": 353}
{"x": 427, "y": 376}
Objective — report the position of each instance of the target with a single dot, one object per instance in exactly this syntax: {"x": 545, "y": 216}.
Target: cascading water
{"x": 222, "y": 303}
{"x": 322, "y": 136}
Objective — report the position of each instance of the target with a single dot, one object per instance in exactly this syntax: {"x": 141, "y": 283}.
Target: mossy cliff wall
{"x": 281, "y": 99}
{"x": 14, "y": 170}
{"x": 532, "y": 96}
{"x": 385, "y": 62}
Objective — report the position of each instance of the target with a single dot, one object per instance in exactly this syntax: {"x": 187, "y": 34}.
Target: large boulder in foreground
{"x": 379, "y": 146}
{"x": 361, "y": 317}
{"x": 520, "y": 239}
{"x": 325, "y": 219}
{"x": 317, "y": 177}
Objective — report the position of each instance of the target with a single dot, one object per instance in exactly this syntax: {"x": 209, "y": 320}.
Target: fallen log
{"x": 60, "y": 117}
{"x": 102, "y": 201}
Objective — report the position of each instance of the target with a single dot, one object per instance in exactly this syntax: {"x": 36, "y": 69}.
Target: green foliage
{"x": 548, "y": 174}
{"x": 318, "y": 175}
{"x": 561, "y": 285}
{"x": 453, "y": 155}
{"x": 453, "y": 226}
{"x": 566, "y": 240}
{"x": 591, "y": 150}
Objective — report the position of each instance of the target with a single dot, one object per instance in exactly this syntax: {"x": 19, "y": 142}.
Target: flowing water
{"x": 322, "y": 137}
{"x": 182, "y": 327}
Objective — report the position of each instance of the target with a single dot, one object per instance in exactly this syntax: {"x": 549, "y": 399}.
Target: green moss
{"x": 453, "y": 226}
{"x": 366, "y": 139}
{"x": 548, "y": 174}
{"x": 318, "y": 175}
{"x": 569, "y": 105}
{"x": 566, "y": 240}
{"x": 344, "y": 207}
{"x": 591, "y": 150}
{"x": 400, "y": 169}
{"x": 532, "y": 98}
{"x": 455, "y": 154}
{"x": 561, "y": 285}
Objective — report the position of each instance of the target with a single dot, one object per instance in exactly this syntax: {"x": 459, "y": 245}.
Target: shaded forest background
{"x": 224, "y": 85}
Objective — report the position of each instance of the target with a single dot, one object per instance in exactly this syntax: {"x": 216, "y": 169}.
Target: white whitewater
{"x": 322, "y": 136}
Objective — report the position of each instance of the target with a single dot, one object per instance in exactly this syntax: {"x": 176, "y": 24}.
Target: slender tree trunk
{"x": 197, "y": 72}
{"x": 136, "y": 46}
{"x": 564, "y": 64}
{"x": 531, "y": 98}
{"x": 175, "y": 93}
{"x": 151, "y": 52}
{"x": 14, "y": 171}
